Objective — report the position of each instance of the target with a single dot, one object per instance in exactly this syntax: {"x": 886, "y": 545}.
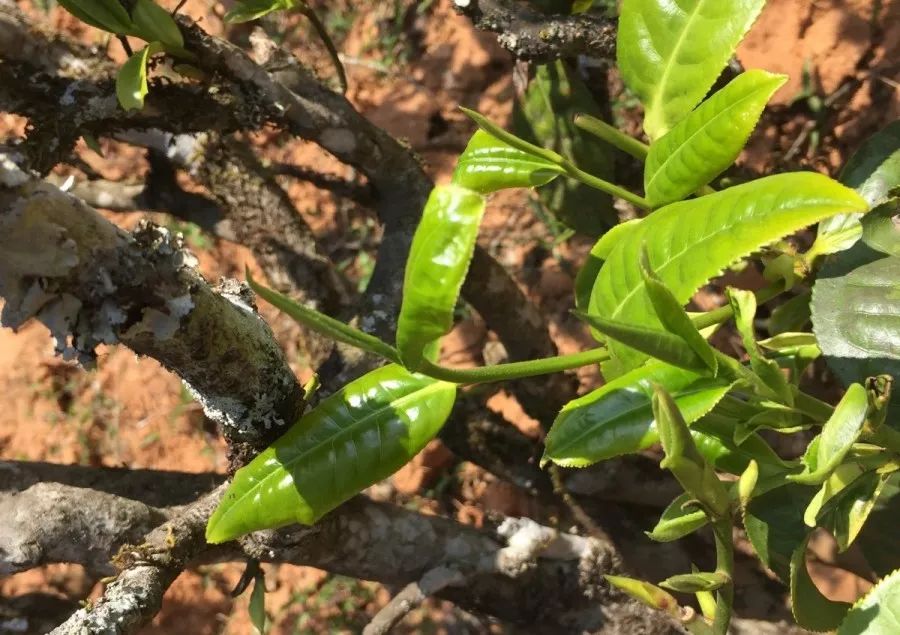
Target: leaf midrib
{"x": 667, "y": 68}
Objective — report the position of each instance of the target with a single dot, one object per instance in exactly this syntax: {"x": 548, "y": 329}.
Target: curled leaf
{"x": 438, "y": 261}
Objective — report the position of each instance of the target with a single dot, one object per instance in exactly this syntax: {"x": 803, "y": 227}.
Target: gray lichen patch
{"x": 91, "y": 283}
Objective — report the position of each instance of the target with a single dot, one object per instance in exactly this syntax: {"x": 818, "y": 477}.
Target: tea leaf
{"x": 358, "y": 436}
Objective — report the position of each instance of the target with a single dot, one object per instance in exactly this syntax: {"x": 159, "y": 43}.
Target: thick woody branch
{"x": 91, "y": 283}
{"x": 531, "y": 35}
{"x": 505, "y": 568}
{"x": 136, "y": 595}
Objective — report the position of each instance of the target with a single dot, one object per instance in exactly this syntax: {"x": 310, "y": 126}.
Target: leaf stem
{"x": 613, "y": 136}
{"x": 725, "y": 313}
{"x": 321, "y": 323}
{"x": 572, "y": 170}
{"x": 514, "y": 370}
{"x": 589, "y": 179}
{"x": 724, "y": 564}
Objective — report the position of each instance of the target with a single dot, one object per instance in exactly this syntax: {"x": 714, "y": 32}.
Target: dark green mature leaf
{"x": 692, "y": 241}
{"x": 703, "y": 144}
{"x": 356, "y": 437}
{"x": 878, "y": 613}
{"x": 875, "y": 168}
{"x": 811, "y": 609}
{"x": 678, "y": 520}
{"x": 545, "y": 115}
{"x": 878, "y": 538}
{"x": 793, "y": 315}
{"x": 874, "y": 171}
{"x": 618, "y": 418}
{"x": 881, "y": 228}
{"x": 774, "y": 524}
{"x": 438, "y": 261}
{"x": 856, "y": 318}
{"x": 684, "y": 460}
{"x": 670, "y": 54}
{"x": 257, "y": 606}
{"x": 152, "y": 23}
{"x": 131, "y": 81}
{"x": 839, "y": 433}
{"x": 488, "y": 165}
{"x": 108, "y": 15}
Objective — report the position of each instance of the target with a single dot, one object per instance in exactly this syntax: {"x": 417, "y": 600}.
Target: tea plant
{"x": 665, "y": 383}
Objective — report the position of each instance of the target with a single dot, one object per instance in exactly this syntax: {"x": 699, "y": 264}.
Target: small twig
{"x": 327, "y": 41}
{"x": 411, "y": 596}
{"x": 357, "y": 192}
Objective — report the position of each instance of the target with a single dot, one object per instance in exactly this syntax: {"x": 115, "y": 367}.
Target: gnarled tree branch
{"x": 537, "y": 37}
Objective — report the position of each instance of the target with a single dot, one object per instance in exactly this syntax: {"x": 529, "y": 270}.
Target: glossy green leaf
{"x": 131, "y": 81}
{"x": 874, "y": 171}
{"x": 438, "y": 261}
{"x": 154, "y": 24}
{"x": 839, "y": 433}
{"x": 646, "y": 593}
{"x": 488, "y": 165}
{"x": 545, "y": 114}
{"x": 656, "y": 343}
{"x": 684, "y": 460}
{"x": 693, "y": 241}
{"x": 618, "y": 418}
{"x": 714, "y": 437}
{"x": 878, "y": 613}
{"x": 357, "y": 436}
{"x": 108, "y": 15}
{"x": 881, "y": 228}
{"x": 321, "y": 323}
{"x": 674, "y": 318}
{"x": 846, "y": 514}
{"x": 678, "y": 520}
{"x": 257, "y": 606}
{"x": 703, "y": 144}
{"x": 792, "y": 315}
{"x": 774, "y": 523}
{"x": 670, "y": 53}
{"x": 811, "y": 609}
{"x": 696, "y": 582}
{"x": 587, "y": 275}
{"x": 743, "y": 304}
